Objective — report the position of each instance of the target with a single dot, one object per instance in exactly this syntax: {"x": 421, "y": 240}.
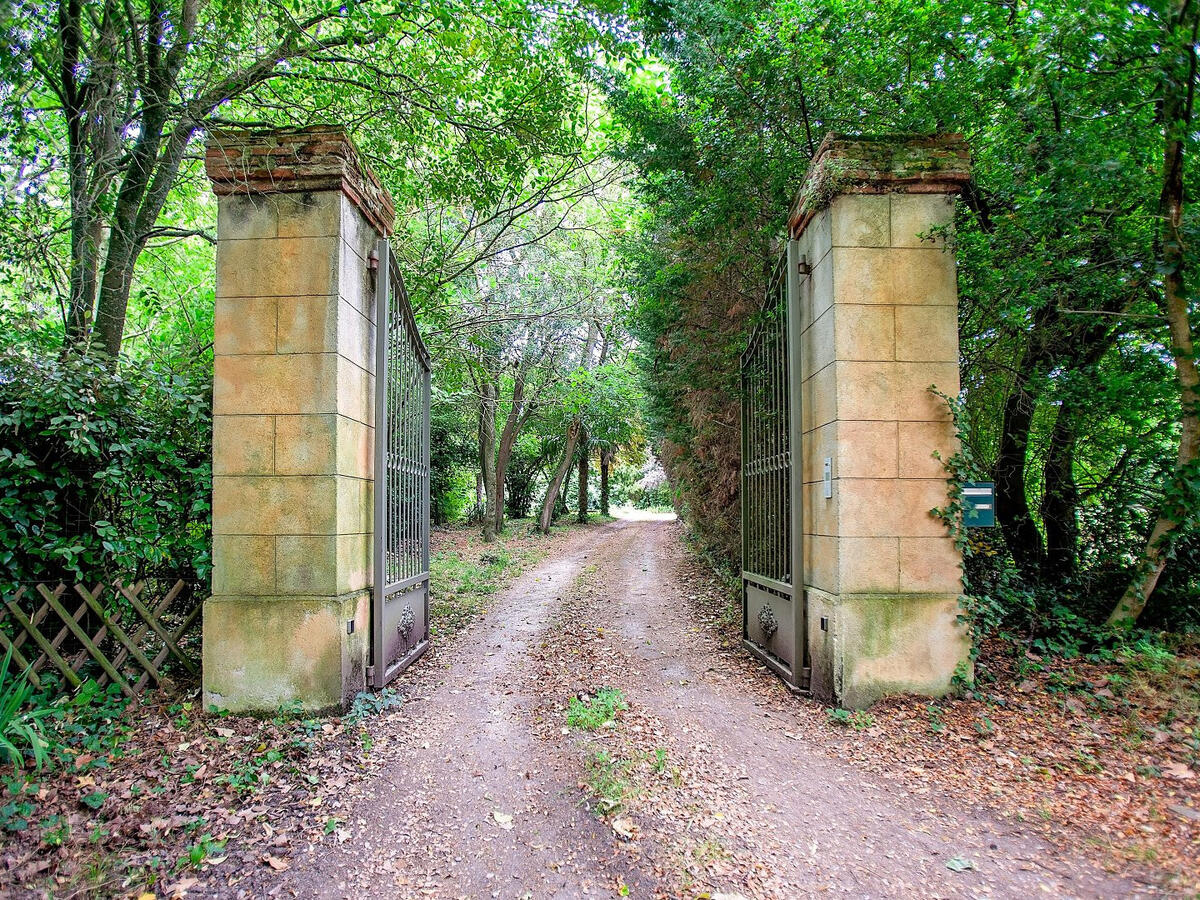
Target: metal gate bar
{"x": 400, "y": 597}
{"x": 774, "y": 617}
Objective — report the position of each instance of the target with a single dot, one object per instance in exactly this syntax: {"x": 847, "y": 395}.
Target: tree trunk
{"x": 1180, "y": 65}
{"x": 487, "y": 455}
{"x": 605, "y": 462}
{"x": 582, "y": 514}
{"x": 1060, "y": 502}
{"x": 1012, "y": 502}
{"x": 508, "y": 439}
{"x": 560, "y": 475}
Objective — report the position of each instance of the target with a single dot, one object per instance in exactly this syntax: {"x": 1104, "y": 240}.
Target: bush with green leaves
{"x": 104, "y": 473}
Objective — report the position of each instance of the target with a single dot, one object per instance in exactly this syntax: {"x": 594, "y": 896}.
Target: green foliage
{"x": 21, "y": 732}
{"x": 102, "y": 474}
{"x": 859, "y": 719}
{"x": 368, "y": 704}
{"x": 1067, "y": 376}
{"x": 591, "y": 713}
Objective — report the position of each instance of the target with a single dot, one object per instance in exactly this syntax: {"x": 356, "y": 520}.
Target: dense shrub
{"x": 103, "y": 474}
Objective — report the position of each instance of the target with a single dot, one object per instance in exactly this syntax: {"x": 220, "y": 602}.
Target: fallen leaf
{"x": 504, "y": 820}
{"x": 959, "y": 864}
{"x": 625, "y": 828}
{"x": 182, "y": 886}
{"x": 276, "y": 863}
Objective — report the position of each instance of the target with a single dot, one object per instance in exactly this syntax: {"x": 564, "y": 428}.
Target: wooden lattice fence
{"x": 114, "y": 634}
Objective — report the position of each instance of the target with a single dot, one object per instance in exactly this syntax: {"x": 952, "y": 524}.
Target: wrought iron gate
{"x": 774, "y": 614}
{"x": 400, "y": 598}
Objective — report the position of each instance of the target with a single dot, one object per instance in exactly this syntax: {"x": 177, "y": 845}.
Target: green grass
{"x": 463, "y": 581}
{"x": 608, "y": 780}
{"x": 592, "y": 713}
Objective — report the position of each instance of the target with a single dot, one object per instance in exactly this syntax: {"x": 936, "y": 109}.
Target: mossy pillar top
{"x": 879, "y": 320}
{"x": 298, "y": 218}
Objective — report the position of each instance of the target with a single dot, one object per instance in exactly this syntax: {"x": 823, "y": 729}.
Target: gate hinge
{"x": 803, "y": 267}
{"x": 373, "y": 261}
{"x": 371, "y": 675}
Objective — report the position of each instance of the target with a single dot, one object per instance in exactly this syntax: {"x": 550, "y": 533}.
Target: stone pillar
{"x": 880, "y": 327}
{"x": 298, "y": 216}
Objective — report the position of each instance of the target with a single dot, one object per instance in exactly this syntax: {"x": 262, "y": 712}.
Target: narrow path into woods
{"x": 484, "y": 796}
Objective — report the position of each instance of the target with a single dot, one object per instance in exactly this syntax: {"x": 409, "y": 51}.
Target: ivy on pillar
{"x": 298, "y": 217}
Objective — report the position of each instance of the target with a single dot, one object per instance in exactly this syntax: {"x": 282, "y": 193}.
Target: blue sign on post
{"x": 979, "y": 504}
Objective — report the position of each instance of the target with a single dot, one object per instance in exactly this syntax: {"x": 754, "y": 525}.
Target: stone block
{"x": 869, "y": 565}
{"x": 819, "y": 232}
{"x": 892, "y": 391}
{"x": 918, "y": 443}
{"x": 279, "y": 267}
{"x": 861, "y": 220}
{"x": 817, "y": 296}
{"x": 864, "y": 332}
{"x": 930, "y": 565}
{"x": 355, "y": 392}
{"x": 355, "y": 448}
{"x": 915, "y": 499}
{"x": 279, "y": 385}
{"x": 862, "y": 275}
{"x": 354, "y": 562}
{"x": 822, "y": 650}
{"x": 263, "y": 652}
{"x": 356, "y": 279}
{"x": 897, "y": 644}
{"x": 274, "y": 505}
{"x": 242, "y": 217}
{"x": 867, "y": 449}
{"x": 821, "y": 512}
{"x": 243, "y": 445}
{"x": 820, "y": 398}
{"x": 916, "y": 216}
{"x": 356, "y": 337}
{"x": 308, "y": 325}
{"x": 821, "y": 566}
{"x": 867, "y": 507}
{"x": 817, "y": 445}
{"x": 923, "y": 277}
{"x": 817, "y": 345}
{"x": 868, "y": 390}
{"x": 307, "y": 564}
{"x": 355, "y": 512}
{"x": 243, "y": 564}
{"x": 916, "y": 402}
{"x": 927, "y": 333}
{"x": 306, "y": 445}
{"x": 244, "y": 325}
{"x": 309, "y": 213}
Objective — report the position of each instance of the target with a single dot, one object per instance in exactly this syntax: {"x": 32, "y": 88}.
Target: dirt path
{"x": 483, "y": 793}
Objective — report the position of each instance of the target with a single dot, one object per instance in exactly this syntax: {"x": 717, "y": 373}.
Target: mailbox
{"x": 979, "y": 504}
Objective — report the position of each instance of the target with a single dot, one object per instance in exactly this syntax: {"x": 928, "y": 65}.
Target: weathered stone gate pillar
{"x": 880, "y": 327}
{"x": 292, "y": 418}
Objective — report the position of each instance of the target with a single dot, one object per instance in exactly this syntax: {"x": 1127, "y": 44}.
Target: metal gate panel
{"x": 774, "y": 615}
{"x": 400, "y": 597}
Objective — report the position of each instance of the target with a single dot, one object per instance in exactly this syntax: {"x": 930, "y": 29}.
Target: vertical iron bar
{"x": 796, "y": 433}
{"x": 379, "y": 538}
